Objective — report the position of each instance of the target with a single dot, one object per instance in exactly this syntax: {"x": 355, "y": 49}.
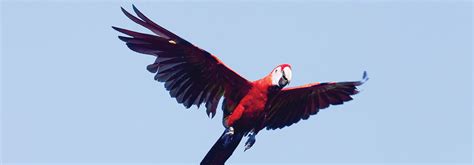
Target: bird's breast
{"x": 254, "y": 104}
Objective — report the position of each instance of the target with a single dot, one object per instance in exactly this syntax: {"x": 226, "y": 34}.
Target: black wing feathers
{"x": 293, "y": 104}
{"x": 192, "y": 75}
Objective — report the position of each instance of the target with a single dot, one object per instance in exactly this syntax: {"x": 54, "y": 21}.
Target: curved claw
{"x": 250, "y": 142}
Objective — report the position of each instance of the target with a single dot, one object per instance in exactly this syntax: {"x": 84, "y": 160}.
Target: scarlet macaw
{"x": 194, "y": 76}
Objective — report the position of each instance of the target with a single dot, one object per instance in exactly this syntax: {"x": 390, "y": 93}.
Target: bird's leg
{"x": 228, "y": 135}
{"x": 250, "y": 141}
{"x": 229, "y": 121}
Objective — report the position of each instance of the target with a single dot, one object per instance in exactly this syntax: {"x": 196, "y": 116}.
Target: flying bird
{"x": 196, "y": 77}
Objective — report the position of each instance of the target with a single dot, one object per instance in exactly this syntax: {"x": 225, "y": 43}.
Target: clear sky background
{"x": 71, "y": 92}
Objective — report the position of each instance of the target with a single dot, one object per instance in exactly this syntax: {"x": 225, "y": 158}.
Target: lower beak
{"x": 283, "y": 82}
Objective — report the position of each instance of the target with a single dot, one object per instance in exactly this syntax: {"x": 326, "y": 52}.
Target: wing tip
{"x": 365, "y": 78}
{"x": 121, "y": 31}
{"x": 115, "y": 28}
{"x": 135, "y": 9}
{"x": 124, "y": 11}
{"x": 124, "y": 31}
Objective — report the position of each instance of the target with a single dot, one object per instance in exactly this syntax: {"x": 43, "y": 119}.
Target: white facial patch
{"x": 276, "y": 75}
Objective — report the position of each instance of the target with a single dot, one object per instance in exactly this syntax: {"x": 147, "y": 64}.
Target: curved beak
{"x": 285, "y": 78}
{"x": 283, "y": 81}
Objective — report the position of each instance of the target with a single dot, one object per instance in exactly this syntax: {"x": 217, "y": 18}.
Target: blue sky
{"x": 73, "y": 93}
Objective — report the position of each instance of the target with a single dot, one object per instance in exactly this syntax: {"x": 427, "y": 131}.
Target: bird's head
{"x": 281, "y": 75}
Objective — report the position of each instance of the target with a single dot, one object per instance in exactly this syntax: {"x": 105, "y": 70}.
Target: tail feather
{"x": 219, "y": 152}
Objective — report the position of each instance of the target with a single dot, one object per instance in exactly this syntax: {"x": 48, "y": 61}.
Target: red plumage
{"x": 194, "y": 77}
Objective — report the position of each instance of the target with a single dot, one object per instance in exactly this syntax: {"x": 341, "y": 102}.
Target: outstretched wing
{"x": 192, "y": 75}
{"x": 293, "y": 104}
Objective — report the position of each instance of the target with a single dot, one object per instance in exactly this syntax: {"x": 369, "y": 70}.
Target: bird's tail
{"x": 221, "y": 151}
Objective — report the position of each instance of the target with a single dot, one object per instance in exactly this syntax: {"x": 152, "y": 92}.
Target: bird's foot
{"x": 250, "y": 142}
{"x": 229, "y": 131}
{"x": 228, "y": 136}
